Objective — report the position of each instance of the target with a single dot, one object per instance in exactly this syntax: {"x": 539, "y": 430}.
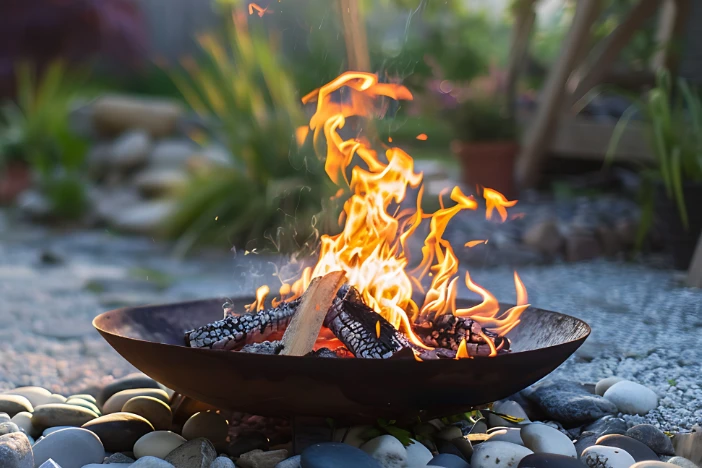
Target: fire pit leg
{"x": 308, "y": 431}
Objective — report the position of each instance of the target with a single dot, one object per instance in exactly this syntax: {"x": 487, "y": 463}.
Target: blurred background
{"x": 175, "y": 119}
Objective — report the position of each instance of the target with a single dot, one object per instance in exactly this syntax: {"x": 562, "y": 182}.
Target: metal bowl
{"x": 151, "y": 338}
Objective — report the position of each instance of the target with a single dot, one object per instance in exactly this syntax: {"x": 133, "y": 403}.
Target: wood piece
{"x": 673, "y": 20}
{"x": 694, "y": 274}
{"x": 305, "y": 325}
{"x": 528, "y": 165}
{"x": 524, "y": 23}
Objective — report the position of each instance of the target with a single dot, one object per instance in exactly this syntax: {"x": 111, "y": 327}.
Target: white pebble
{"x": 544, "y": 439}
{"x": 632, "y": 398}
{"x": 599, "y": 456}
{"x": 498, "y": 455}
{"x": 387, "y": 450}
{"x": 603, "y": 385}
{"x": 157, "y": 444}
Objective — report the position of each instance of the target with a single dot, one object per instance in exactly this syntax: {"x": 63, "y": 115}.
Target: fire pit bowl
{"x": 151, "y": 338}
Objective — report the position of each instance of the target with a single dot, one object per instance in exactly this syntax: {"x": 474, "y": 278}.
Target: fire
{"x": 372, "y": 246}
{"x": 258, "y": 9}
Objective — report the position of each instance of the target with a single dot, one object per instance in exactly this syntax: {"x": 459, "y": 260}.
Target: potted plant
{"x": 672, "y": 187}
{"x": 486, "y": 143}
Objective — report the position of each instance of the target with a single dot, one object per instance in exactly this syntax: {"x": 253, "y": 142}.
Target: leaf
{"x": 617, "y": 133}
{"x": 507, "y": 417}
{"x": 677, "y": 183}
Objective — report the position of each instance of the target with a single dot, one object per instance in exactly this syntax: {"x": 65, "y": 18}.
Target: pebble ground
{"x": 646, "y": 326}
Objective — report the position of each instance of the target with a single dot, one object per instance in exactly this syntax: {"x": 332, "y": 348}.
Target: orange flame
{"x": 261, "y": 294}
{"x": 372, "y": 246}
{"x": 422, "y": 137}
{"x": 259, "y": 10}
{"x": 473, "y": 243}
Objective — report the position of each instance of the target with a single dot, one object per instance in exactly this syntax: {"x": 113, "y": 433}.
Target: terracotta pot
{"x": 488, "y": 164}
{"x": 14, "y": 179}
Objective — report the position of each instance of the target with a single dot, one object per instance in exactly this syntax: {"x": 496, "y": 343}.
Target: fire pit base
{"x": 349, "y": 390}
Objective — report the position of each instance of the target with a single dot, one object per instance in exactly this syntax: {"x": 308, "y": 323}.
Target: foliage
{"x": 673, "y": 124}
{"x": 35, "y": 129}
{"x": 388, "y": 427}
{"x": 483, "y": 119}
{"x": 248, "y": 97}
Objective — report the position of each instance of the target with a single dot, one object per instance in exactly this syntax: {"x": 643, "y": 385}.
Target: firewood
{"x": 305, "y": 325}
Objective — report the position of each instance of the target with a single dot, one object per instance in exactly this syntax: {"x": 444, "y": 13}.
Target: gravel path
{"x": 646, "y": 327}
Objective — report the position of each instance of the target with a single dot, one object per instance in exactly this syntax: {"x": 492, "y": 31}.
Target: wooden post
{"x": 610, "y": 48}
{"x": 523, "y": 24}
{"x": 529, "y": 163}
{"x": 694, "y": 274}
{"x": 672, "y": 20}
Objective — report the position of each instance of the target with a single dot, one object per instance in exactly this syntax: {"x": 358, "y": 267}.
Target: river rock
{"x": 417, "y": 454}
{"x": 83, "y": 396}
{"x": 157, "y": 444}
{"x": 145, "y": 217}
{"x": 549, "y": 460}
{"x": 509, "y": 408}
{"x": 129, "y": 382}
{"x": 118, "y": 458}
{"x": 638, "y": 450}
{"x": 116, "y": 402}
{"x": 246, "y": 442}
{"x": 61, "y": 414}
{"x": 84, "y": 404}
{"x": 599, "y": 456}
{"x": 4, "y": 417}
{"x": 607, "y": 425}
{"x": 152, "y": 409}
{"x": 292, "y": 462}
{"x": 49, "y": 464}
{"x": 8, "y": 428}
{"x": 464, "y": 446}
{"x": 682, "y": 462}
{"x": 151, "y": 462}
{"x": 196, "y": 453}
{"x": 603, "y": 385}
{"x": 172, "y": 153}
{"x": 449, "y": 433}
{"x": 447, "y": 460}
{"x": 36, "y": 395}
{"x": 653, "y": 464}
{"x": 689, "y": 445}
{"x": 224, "y": 462}
{"x": 498, "y": 455}
{"x": 24, "y": 422}
{"x": 49, "y": 430}
{"x": 16, "y": 451}
{"x": 70, "y": 448}
{"x": 336, "y": 455}
{"x": 352, "y": 436}
{"x": 632, "y": 398}
{"x": 131, "y": 149}
{"x": 119, "y": 431}
{"x": 387, "y": 450}
{"x": 541, "y": 438}
{"x": 569, "y": 402}
{"x": 261, "y": 459}
{"x": 13, "y": 404}
{"x": 156, "y": 182}
{"x": 544, "y": 236}
{"x": 208, "y": 424}
{"x": 652, "y": 437}
{"x": 586, "y": 439}
{"x": 506, "y": 434}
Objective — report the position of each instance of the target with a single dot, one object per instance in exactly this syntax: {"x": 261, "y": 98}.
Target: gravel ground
{"x": 646, "y": 327}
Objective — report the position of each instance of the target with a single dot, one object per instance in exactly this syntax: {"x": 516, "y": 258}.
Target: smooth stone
{"x": 61, "y": 414}
{"x": 130, "y": 149}
{"x": 119, "y": 431}
{"x": 509, "y": 408}
{"x": 4, "y": 417}
{"x": 161, "y": 181}
{"x": 49, "y": 430}
{"x": 261, "y": 459}
{"x": 151, "y": 462}
{"x": 13, "y": 404}
{"x": 447, "y": 460}
{"x": 49, "y": 464}
{"x": 449, "y": 433}
{"x": 24, "y": 422}
{"x": 549, "y": 460}
{"x": 246, "y": 442}
{"x": 352, "y": 436}
{"x": 682, "y": 462}
{"x": 607, "y": 425}
{"x": 16, "y": 451}
{"x": 152, "y": 409}
{"x": 157, "y": 444}
{"x": 8, "y": 428}
{"x": 112, "y": 465}
{"x": 506, "y": 434}
{"x": 292, "y": 462}
{"x": 70, "y": 448}
{"x": 444, "y": 446}
{"x": 498, "y": 455}
{"x": 586, "y": 439}
{"x": 632, "y": 398}
{"x": 638, "y": 450}
{"x": 417, "y": 454}
{"x": 464, "y": 446}
{"x": 116, "y": 402}
{"x": 336, "y": 455}
{"x": 196, "y": 453}
{"x": 387, "y": 450}
{"x": 83, "y": 403}
{"x": 541, "y": 438}
{"x": 128, "y": 382}
{"x": 118, "y": 458}
{"x": 83, "y": 396}
{"x": 652, "y": 437}
{"x": 224, "y": 462}
{"x": 599, "y": 456}
{"x": 603, "y": 385}
{"x": 653, "y": 464}
{"x": 207, "y": 424}
{"x": 570, "y": 403}
{"x": 689, "y": 445}
{"x": 35, "y": 395}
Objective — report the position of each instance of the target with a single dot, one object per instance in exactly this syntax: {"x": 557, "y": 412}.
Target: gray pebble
{"x": 8, "y": 428}
{"x": 16, "y": 451}
{"x": 652, "y": 437}
{"x": 222, "y": 462}
{"x": 292, "y": 462}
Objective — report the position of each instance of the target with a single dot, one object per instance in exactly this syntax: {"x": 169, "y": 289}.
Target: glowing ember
{"x": 258, "y": 9}
{"x": 372, "y": 247}
{"x": 422, "y": 137}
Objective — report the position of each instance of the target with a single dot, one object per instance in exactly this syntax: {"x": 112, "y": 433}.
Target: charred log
{"x": 447, "y": 331}
{"x": 340, "y": 352}
{"x": 264, "y": 347}
{"x": 234, "y": 331}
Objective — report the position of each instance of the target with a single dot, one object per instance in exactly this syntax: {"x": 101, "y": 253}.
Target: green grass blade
{"x": 617, "y": 133}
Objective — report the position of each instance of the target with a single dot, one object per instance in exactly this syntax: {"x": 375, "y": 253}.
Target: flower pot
{"x": 681, "y": 242}
{"x": 15, "y": 177}
{"x": 488, "y": 164}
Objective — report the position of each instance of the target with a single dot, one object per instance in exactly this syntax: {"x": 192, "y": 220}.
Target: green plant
{"x": 35, "y": 130}
{"x": 247, "y": 95}
{"x": 672, "y": 116}
{"x": 481, "y": 120}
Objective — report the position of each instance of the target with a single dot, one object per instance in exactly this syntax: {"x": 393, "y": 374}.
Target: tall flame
{"x": 372, "y": 247}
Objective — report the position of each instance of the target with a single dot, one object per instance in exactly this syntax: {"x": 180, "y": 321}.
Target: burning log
{"x": 448, "y": 331}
